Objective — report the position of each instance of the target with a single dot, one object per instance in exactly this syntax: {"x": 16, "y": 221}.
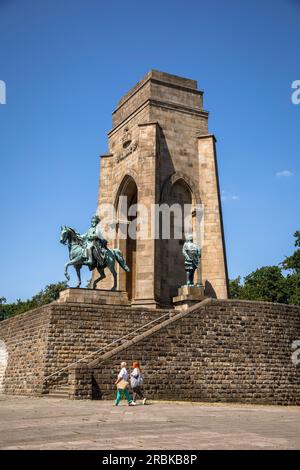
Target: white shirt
{"x": 123, "y": 374}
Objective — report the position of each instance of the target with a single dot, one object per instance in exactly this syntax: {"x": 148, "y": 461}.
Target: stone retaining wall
{"x": 227, "y": 351}
{"x": 222, "y": 351}
{"x": 44, "y": 340}
{"x": 25, "y": 338}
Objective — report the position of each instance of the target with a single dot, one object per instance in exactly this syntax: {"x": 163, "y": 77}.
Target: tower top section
{"x": 159, "y": 87}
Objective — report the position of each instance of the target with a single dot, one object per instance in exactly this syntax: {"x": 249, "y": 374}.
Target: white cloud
{"x": 227, "y": 197}
{"x": 284, "y": 174}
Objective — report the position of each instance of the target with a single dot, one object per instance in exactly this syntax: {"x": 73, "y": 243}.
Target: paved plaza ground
{"x": 51, "y": 423}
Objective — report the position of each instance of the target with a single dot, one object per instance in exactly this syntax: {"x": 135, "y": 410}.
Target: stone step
{"x": 145, "y": 332}
{"x": 59, "y": 392}
{"x": 64, "y": 388}
{"x": 58, "y": 395}
{"x": 132, "y": 336}
{"x": 111, "y": 348}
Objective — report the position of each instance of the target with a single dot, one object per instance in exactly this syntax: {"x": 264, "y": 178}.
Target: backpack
{"x": 136, "y": 379}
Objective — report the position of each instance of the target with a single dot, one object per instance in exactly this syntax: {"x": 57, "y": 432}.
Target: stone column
{"x": 105, "y": 197}
{"x": 147, "y": 196}
{"x": 213, "y": 262}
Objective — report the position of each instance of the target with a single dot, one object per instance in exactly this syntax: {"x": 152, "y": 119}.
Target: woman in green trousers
{"x": 122, "y": 385}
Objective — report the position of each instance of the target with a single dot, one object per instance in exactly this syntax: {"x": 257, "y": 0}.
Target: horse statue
{"x": 102, "y": 257}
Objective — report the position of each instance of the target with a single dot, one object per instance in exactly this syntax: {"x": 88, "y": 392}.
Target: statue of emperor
{"x": 191, "y": 252}
{"x": 95, "y": 244}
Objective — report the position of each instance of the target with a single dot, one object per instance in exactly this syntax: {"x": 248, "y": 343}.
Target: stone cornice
{"x": 177, "y": 87}
{"x": 157, "y": 81}
{"x": 152, "y": 123}
{"x": 162, "y": 104}
{"x": 127, "y": 118}
{"x": 106, "y": 155}
{"x": 179, "y": 107}
{"x": 206, "y": 136}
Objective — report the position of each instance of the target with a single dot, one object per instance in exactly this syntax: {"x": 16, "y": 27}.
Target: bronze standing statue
{"x": 90, "y": 249}
{"x": 191, "y": 253}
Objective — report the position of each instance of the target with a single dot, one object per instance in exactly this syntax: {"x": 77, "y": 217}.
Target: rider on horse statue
{"x": 95, "y": 244}
{"x": 91, "y": 249}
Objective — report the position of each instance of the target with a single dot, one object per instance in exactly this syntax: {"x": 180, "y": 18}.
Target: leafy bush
{"x": 45, "y": 296}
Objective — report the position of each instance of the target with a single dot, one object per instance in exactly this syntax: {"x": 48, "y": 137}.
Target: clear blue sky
{"x": 66, "y": 63}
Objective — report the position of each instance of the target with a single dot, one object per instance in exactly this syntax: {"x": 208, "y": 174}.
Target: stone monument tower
{"x": 160, "y": 152}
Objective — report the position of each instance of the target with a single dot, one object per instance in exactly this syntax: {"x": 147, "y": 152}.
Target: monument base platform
{"x": 188, "y": 296}
{"x": 93, "y": 296}
{"x": 229, "y": 350}
{"x": 145, "y": 303}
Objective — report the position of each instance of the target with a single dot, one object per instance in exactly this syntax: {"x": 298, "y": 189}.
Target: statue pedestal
{"x": 93, "y": 296}
{"x": 188, "y": 296}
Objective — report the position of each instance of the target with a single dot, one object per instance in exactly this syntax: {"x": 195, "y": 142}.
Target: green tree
{"x": 269, "y": 284}
{"x": 265, "y": 284}
{"x": 49, "y": 294}
{"x": 235, "y": 288}
{"x": 293, "y": 288}
{"x": 45, "y": 296}
{"x": 292, "y": 263}
{"x": 2, "y": 308}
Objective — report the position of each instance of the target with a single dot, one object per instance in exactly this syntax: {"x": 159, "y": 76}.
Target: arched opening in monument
{"x": 126, "y": 233}
{"x": 3, "y": 363}
{"x": 180, "y": 198}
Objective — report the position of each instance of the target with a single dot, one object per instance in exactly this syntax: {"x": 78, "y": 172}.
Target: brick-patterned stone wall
{"x": 41, "y": 341}
{"x": 80, "y": 383}
{"x": 223, "y": 351}
{"x": 3, "y": 363}
{"x": 26, "y": 341}
{"x": 76, "y": 330}
{"x": 228, "y": 351}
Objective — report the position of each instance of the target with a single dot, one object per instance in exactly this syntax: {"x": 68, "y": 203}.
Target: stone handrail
{"x": 149, "y": 332}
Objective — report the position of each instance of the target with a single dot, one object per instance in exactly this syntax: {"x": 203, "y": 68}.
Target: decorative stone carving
{"x": 129, "y": 150}
{"x": 126, "y": 139}
{"x": 128, "y": 145}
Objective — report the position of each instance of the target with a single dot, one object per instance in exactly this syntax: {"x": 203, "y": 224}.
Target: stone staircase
{"x": 135, "y": 338}
{"x": 119, "y": 345}
{"x": 60, "y": 391}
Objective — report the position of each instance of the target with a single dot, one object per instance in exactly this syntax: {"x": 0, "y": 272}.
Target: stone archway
{"x": 3, "y": 363}
{"x": 173, "y": 275}
{"x": 126, "y": 241}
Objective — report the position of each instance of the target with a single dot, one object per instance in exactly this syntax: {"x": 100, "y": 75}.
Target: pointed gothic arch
{"x": 126, "y": 197}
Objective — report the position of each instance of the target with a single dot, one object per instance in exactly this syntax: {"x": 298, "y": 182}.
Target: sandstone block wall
{"x": 44, "y": 340}
{"x": 220, "y": 351}
{"x": 228, "y": 351}
{"x": 25, "y": 338}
